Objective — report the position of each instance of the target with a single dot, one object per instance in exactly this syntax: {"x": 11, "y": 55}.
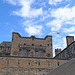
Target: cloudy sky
{"x": 39, "y": 18}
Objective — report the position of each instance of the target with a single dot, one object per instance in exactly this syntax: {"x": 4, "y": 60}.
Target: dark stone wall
{"x": 69, "y": 39}
{"x": 67, "y": 53}
{"x": 5, "y": 48}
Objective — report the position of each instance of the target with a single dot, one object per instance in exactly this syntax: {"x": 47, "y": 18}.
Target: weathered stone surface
{"x": 67, "y": 53}
{"x": 31, "y": 46}
{"x": 66, "y": 69}
{"x": 27, "y": 66}
{"x": 32, "y": 56}
{"x": 69, "y": 39}
{"x": 5, "y": 48}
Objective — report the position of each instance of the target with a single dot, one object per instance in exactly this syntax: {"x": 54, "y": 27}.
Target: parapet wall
{"x": 27, "y": 66}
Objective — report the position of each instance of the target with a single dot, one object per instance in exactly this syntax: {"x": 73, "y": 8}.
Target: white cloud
{"x": 64, "y": 42}
{"x": 61, "y": 17}
{"x": 32, "y": 27}
{"x": 59, "y": 43}
{"x": 67, "y": 0}
{"x": 57, "y": 46}
{"x": 72, "y": 22}
{"x": 34, "y": 30}
{"x": 11, "y": 2}
{"x": 55, "y": 25}
{"x": 69, "y": 30}
{"x": 25, "y": 10}
{"x": 28, "y": 22}
{"x": 54, "y": 2}
{"x": 64, "y": 13}
{"x": 71, "y": 34}
{"x": 28, "y": 13}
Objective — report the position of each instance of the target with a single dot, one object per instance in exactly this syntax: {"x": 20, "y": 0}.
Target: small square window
{"x": 38, "y": 63}
{"x": 24, "y": 43}
{"x": 32, "y": 44}
{"x": 47, "y": 44}
{"x": 40, "y": 45}
{"x": 29, "y": 63}
{"x": 58, "y": 63}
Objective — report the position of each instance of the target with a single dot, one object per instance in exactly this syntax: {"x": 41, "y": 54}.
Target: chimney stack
{"x": 69, "y": 39}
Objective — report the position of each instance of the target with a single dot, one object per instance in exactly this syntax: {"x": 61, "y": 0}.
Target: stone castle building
{"x": 31, "y": 46}
{"x": 27, "y": 46}
{"x": 32, "y": 56}
{"x": 68, "y": 52}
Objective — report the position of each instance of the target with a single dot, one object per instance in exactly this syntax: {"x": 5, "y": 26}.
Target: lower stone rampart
{"x": 27, "y": 66}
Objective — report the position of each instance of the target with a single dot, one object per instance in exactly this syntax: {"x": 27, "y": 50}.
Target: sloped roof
{"x": 67, "y": 68}
{"x": 65, "y": 49}
{"x": 5, "y": 42}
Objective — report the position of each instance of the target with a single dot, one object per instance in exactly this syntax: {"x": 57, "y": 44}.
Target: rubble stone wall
{"x": 27, "y": 66}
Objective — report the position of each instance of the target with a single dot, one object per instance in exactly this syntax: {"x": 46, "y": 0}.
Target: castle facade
{"x": 32, "y": 56}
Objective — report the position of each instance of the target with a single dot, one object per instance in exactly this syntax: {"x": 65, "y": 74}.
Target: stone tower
{"x": 31, "y": 46}
{"x": 57, "y": 51}
{"x": 69, "y": 39}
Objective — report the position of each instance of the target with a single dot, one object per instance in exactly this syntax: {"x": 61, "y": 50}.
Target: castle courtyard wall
{"x": 27, "y": 66}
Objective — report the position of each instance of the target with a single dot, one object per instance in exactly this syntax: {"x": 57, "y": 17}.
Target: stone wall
{"x": 27, "y": 66}
{"x": 32, "y": 46}
{"x": 5, "y": 48}
{"x": 69, "y": 39}
{"x": 57, "y": 51}
{"x": 67, "y": 53}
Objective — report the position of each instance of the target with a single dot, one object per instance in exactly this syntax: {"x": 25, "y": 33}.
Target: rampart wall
{"x": 27, "y": 66}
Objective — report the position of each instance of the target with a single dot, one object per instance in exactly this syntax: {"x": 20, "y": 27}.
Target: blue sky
{"x": 39, "y": 18}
